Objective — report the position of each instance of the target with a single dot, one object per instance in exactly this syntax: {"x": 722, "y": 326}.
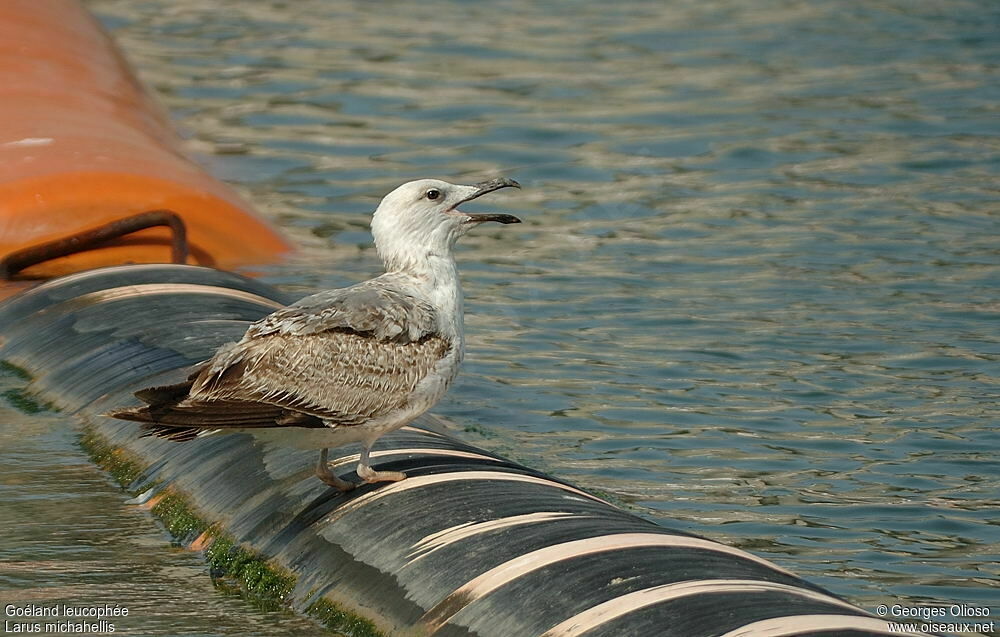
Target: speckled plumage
{"x": 342, "y": 365}
{"x": 342, "y": 377}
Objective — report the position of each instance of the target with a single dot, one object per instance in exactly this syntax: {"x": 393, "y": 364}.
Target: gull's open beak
{"x": 481, "y": 189}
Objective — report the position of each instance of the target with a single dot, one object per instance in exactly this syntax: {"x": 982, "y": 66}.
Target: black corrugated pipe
{"x": 469, "y": 544}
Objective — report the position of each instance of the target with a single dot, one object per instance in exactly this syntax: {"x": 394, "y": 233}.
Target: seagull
{"x": 345, "y": 365}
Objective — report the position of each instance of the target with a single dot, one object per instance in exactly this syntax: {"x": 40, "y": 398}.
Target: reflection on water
{"x": 755, "y": 293}
{"x": 68, "y": 538}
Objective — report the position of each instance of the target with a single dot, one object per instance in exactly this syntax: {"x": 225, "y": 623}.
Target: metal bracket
{"x": 16, "y": 261}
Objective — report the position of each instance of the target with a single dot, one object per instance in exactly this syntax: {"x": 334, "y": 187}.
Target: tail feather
{"x": 164, "y": 395}
{"x": 182, "y": 422}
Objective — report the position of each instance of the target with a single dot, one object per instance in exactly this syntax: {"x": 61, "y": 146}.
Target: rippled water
{"x": 755, "y": 296}
{"x": 68, "y": 538}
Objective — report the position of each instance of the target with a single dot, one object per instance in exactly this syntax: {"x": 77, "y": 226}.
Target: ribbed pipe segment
{"x": 470, "y": 544}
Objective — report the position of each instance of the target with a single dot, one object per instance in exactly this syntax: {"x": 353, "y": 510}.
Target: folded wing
{"x": 338, "y": 358}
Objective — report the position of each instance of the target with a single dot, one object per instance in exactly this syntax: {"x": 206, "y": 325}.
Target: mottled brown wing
{"x": 344, "y": 378}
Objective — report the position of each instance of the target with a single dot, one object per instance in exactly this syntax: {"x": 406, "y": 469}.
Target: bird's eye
{"x": 433, "y": 194}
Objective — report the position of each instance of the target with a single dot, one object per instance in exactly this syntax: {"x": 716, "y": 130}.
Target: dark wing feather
{"x": 164, "y": 394}
{"x": 217, "y": 415}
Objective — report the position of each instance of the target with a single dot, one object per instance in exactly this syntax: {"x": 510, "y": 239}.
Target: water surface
{"x": 755, "y": 294}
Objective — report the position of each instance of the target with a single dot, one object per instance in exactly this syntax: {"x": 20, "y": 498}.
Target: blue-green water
{"x": 756, "y": 291}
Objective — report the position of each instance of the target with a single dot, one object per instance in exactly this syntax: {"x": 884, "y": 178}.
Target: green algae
{"x": 175, "y": 513}
{"x": 345, "y": 622}
{"x": 234, "y": 568}
{"x": 259, "y": 582}
{"x": 21, "y": 398}
{"x": 122, "y": 467}
{"x": 241, "y": 570}
{"x": 24, "y": 402}
{"x": 10, "y": 369}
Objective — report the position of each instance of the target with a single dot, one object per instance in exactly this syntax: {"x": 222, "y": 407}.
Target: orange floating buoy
{"x": 84, "y": 148}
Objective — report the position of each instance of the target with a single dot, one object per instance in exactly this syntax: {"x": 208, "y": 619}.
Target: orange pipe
{"x": 83, "y": 144}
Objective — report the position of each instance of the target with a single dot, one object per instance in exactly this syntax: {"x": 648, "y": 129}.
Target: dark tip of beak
{"x": 482, "y": 188}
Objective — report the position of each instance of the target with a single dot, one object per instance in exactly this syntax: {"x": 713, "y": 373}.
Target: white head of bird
{"x": 420, "y": 220}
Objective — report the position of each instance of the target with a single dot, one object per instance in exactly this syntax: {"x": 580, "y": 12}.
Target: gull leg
{"x": 370, "y": 475}
{"x": 323, "y": 473}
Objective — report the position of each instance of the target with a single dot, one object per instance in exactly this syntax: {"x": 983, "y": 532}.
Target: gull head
{"x": 420, "y": 219}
